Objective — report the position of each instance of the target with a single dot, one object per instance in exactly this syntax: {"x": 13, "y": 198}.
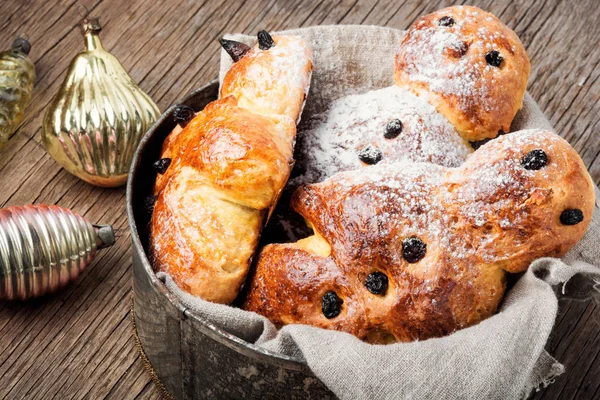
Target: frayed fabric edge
{"x": 546, "y": 370}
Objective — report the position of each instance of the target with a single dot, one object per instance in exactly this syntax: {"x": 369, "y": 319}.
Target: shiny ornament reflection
{"x": 17, "y": 77}
{"x": 42, "y": 248}
{"x": 96, "y": 121}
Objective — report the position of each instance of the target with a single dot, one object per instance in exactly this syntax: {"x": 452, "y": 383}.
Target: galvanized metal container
{"x": 192, "y": 358}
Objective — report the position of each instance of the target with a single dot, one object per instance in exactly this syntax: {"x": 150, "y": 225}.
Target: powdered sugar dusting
{"x": 275, "y": 81}
{"x": 336, "y": 137}
{"x": 288, "y": 60}
{"x": 456, "y": 210}
{"x": 451, "y": 60}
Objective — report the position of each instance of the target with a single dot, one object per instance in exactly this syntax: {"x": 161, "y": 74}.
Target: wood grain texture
{"x": 77, "y": 343}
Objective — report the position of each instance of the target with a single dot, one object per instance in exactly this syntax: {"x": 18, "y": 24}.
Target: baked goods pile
{"x": 413, "y": 232}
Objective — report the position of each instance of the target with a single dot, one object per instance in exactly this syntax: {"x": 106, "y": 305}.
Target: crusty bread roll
{"x": 221, "y": 174}
{"x": 469, "y": 65}
{"x": 413, "y": 250}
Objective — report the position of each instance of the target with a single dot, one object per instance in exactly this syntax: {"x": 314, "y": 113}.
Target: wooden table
{"x": 77, "y": 343}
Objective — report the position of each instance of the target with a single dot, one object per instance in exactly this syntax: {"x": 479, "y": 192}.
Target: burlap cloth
{"x": 503, "y": 357}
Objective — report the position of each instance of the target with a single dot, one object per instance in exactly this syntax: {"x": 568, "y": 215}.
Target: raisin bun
{"x": 412, "y": 251}
{"x": 469, "y": 65}
{"x": 378, "y": 127}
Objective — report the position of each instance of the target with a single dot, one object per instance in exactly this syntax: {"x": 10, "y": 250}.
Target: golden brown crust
{"x": 477, "y": 221}
{"x": 445, "y": 60}
{"x": 298, "y": 277}
{"x": 274, "y": 81}
{"x": 228, "y": 167}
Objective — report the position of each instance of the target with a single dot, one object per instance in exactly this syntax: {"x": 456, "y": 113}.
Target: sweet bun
{"x": 412, "y": 251}
{"x": 221, "y": 171}
{"x": 382, "y": 126}
{"x": 469, "y": 65}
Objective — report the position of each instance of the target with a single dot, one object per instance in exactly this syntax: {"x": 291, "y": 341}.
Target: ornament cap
{"x": 106, "y": 235}
{"x": 21, "y": 44}
{"x": 90, "y": 25}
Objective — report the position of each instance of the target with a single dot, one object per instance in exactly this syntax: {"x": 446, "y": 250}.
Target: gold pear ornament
{"x": 17, "y": 77}
{"x": 94, "y": 124}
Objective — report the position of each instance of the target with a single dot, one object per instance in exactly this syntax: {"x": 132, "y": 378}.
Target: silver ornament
{"x": 42, "y": 248}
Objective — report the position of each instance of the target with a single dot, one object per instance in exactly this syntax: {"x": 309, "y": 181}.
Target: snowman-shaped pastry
{"x": 460, "y": 75}
{"x": 412, "y": 235}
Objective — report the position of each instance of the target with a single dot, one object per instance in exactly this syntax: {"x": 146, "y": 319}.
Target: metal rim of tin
{"x": 223, "y": 337}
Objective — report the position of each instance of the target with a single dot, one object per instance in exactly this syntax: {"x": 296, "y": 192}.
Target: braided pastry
{"x": 414, "y": 250}
{"x": 221, "y": 174}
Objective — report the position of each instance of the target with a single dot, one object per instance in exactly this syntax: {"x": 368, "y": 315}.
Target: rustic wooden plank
{"x": 76, "y": 343}
{"x": 133, "y": 384}
{"x": 77, "y": 318}
{"x": 78, "y": 321}
{"x": 149, "y": 393}
{"x": 117, "y": 361}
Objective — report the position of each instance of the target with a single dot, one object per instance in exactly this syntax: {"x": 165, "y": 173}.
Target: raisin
{"x": 265, "y": 41}
{"x": 393, "y": 129}
{"x": 183, "y": 114}
{"x": 236, "y": 50}
{"x": 446, "y": 21}
{"x": 571, "y": 217}
{"x": 370, "y": 155}
{"x": 413, "y": 249}
{"x": 494, "y": 58}
{"x": 161, "y": 165}
{"x": 377, "y": 282}
{"x": 149, "y": 202}
{"x": 457, "y": 51}
{"x": 535, "y": 159}
{"x": 331, "y": 305}
{"x": 477, "y": 144}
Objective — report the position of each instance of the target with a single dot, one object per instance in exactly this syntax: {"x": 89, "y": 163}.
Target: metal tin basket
{"x": 190, "y": 357}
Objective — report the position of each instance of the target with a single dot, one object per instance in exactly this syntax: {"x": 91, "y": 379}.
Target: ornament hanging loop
{"x": 83, "y": 11}
{"x": 88, "y": 24}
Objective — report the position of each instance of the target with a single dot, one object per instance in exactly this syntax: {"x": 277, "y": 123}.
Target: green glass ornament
{"x": 17, "y": 77}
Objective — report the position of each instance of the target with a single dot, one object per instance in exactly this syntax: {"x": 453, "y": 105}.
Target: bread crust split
{"x": 490, "y": 216}
{"x": 228, "y": 167}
